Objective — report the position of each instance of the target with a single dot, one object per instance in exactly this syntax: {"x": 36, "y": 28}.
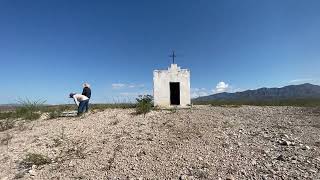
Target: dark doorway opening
{"x": 174, "y": 93}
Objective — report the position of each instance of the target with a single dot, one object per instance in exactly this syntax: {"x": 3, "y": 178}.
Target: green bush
{"x": 30, "y": 110}
{"x": 144, "y": 104}
{"x": 112, "y": 106}
{"x": 6, "y": 124}
{"x": 58, "y": 108}
{"x": 301, "y": 102}
{"x": 7, "y": 115}
{"x": 35, "y": 159}
{"x": 54, "y": 114}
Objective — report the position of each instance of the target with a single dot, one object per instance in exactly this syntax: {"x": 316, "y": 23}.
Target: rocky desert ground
{"x": 203, "y": 142}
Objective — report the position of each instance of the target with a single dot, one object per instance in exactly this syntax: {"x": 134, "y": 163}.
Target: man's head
{"x": 71, "y": 95}
{"x": 86, "y": 85}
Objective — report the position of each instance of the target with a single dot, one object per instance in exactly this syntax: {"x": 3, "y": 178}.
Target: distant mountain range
{"x": 302, "y": 91}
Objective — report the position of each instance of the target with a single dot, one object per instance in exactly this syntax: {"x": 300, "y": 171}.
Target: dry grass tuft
{"x": 6, "y": 124}
{"x": 35, "y": 159}
{"x": 6, "y": 139}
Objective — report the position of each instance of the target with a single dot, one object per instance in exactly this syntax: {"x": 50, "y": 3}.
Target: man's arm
{"x": 76, "y": 100}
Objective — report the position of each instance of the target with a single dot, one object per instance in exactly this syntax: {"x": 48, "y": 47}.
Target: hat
{"x": 86, "y": 85}
{"x": 71, "y": 95}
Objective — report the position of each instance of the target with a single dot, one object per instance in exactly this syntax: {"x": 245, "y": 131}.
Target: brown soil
{"x": 200, "y": 143}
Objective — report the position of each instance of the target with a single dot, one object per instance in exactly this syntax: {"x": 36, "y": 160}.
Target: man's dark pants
{"x": 83, "y": 106}
{"x": 87, "y": 106}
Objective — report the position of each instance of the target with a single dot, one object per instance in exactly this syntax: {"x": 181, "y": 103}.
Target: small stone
{"x": 272, "y": 171}
{"x": 265, "y": 151}
{"x": 305, "y": 148}
{"x": 200, "y": 158}
{"x": 238, "y": 144}
{"x": 230, "y": 177}
{"x": 268, "y": 165}
{"x": 183, "y": 177}
{"x": 32, "y": 172}
{"x": 254, "y": 162}
{"x": 281, "y": 158}
{"x": 312, "y": 170}
{"x": 243, "y": 172}
{"x": 71, "y": 164}
{"x": 264, "y": 177}
{"x": 285, "y": 143}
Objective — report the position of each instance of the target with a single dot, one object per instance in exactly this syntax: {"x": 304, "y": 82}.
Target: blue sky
{"x": 48, "y": 48}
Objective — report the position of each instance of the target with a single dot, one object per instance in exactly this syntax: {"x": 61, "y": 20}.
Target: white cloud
{"x": 135, "y": 85}
{"x": 117, "y": 85}
{"x": 301, "y": 80}
{"x": 123, "y": 85}
{"x": 236, "y": 90}
{"x": 202, "y": 93}
{"x": 128, "y": 94}
{"x": 221, "y": 87}
{"x": 135, "y": 94}
{"x": 197, "y": 92}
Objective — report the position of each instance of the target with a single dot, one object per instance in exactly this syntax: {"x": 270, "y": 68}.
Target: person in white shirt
{"x": 81, "y": 101}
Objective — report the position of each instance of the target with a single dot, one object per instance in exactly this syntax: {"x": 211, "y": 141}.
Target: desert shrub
{"x": 6, "y": 124}
{"x": 22, "y": 126}
{"x": 7, "y": 115}
{"x": 32, "y": 116}
{"x": 6, "y": 139}
{"x": 114, "y": 122}
{"x": 300, "y": 102}
{"x": 19, "y": 175}
{"x": 35, "y": 159}
{"x": 29, "y": 110}
{"x": 57, "y": 112}
{"x": 112, "y": 106}
{"x": 57, "y": 142}
{"x": 75, "y": 150}
{"x": 173, "y": 110}
{"x": 144, "y": 104}
{"x": 54, "y": 114}
{"x": 58, "y": 108}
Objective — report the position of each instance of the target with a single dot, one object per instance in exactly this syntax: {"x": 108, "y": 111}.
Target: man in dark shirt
{"x": 87, "y": 92}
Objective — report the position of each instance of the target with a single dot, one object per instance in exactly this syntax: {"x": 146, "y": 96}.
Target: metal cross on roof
{"x": 173, "y": 56}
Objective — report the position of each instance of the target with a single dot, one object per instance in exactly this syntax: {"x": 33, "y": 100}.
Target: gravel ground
{"x": 200, "y": 143}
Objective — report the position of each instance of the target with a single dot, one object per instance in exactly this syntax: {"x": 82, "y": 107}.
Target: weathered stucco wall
{"x": 161, "y": 87}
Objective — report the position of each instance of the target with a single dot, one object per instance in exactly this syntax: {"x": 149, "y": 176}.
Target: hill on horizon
{"x": 292, "y": 92}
